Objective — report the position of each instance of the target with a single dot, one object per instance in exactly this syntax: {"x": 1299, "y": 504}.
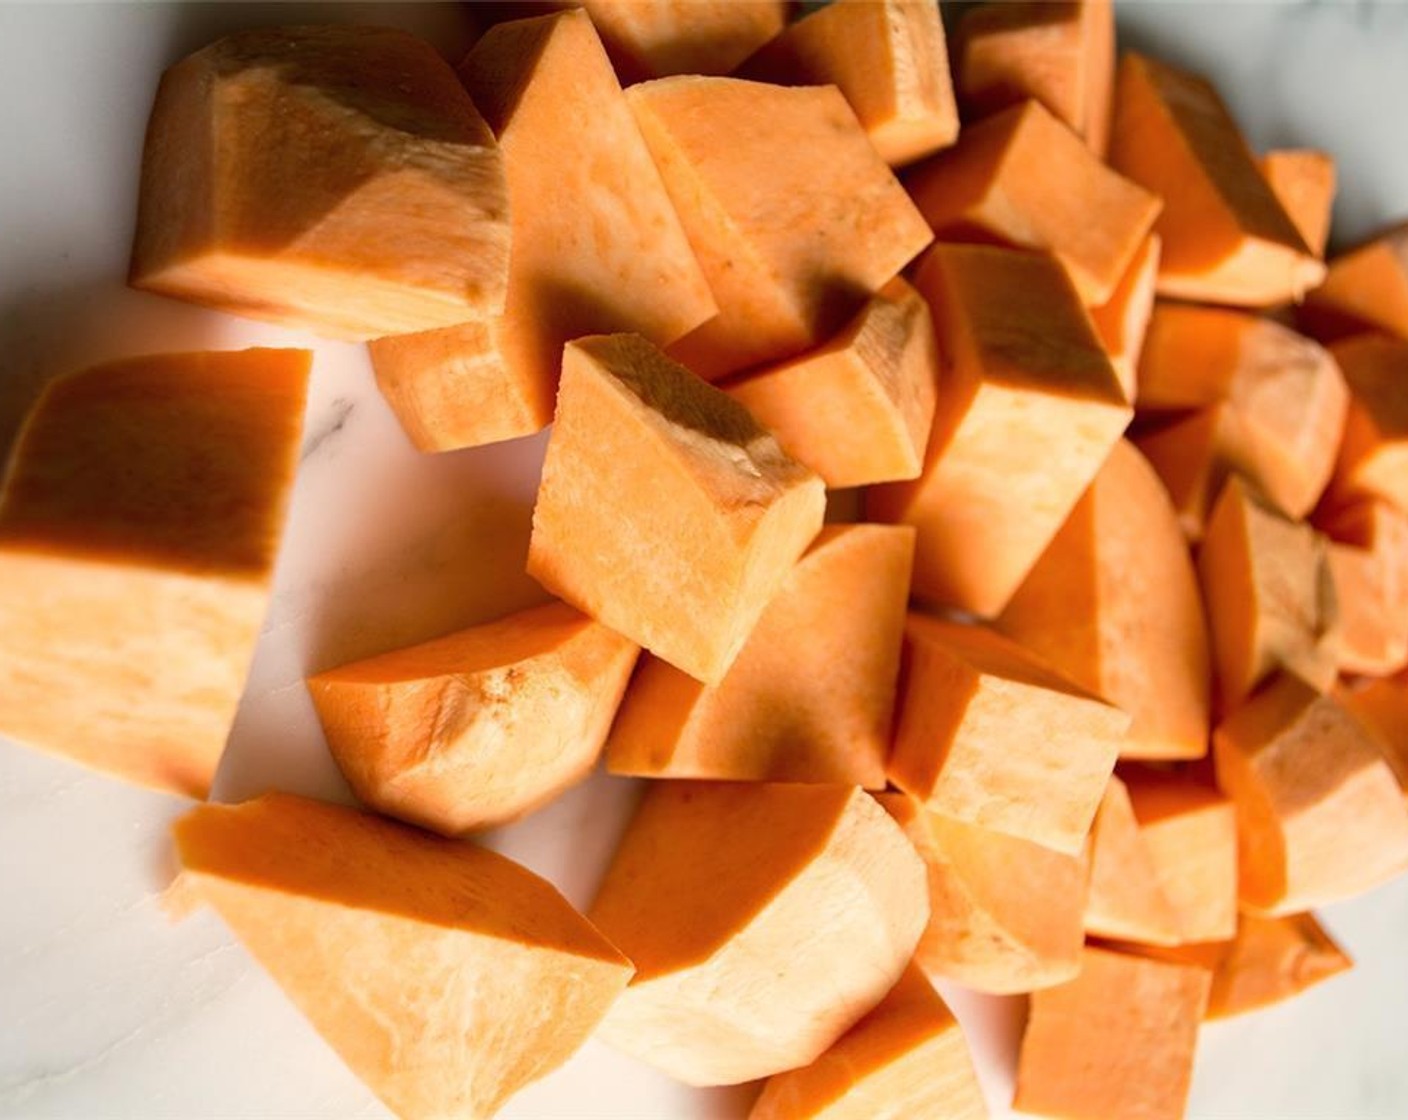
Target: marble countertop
{"x": 106, "y": 1010}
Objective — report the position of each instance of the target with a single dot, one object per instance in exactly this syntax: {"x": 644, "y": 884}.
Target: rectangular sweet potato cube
{"x": 1303, "y": 181}
{"x": 1365, "y": 289}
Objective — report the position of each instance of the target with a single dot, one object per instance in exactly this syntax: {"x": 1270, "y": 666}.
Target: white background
{"x": 105, "y": 1009}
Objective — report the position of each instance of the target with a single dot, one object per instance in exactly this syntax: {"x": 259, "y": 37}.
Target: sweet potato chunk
{"x": 1029, "y": 409}
{"x": 1024, "y": 178}
{"x": 1122, "y": 320}
{"x": 1061, "y": 54}
{"x": 658, "y": 38}
{"x": 1118, "y": 1040}
{"x": 715, "y": 894}
{"x": 616, "y": 259}
{"x": 1190, "y": 833}
{"x": 1226, "y": 238}
{"x": 1303, "y": 181}
{"x": 665, "y": 510}
{"x": 1285, "y": 397}
{"x": 1365, "y": 289}
{"x": 1005, "y": 914}
{"x": 1381, "y": 707}
{"x": 333, "y": 178}
{"x": 811, "y": 696}
{"x": 1371, "y": 593}
{"x": 1113, "y": 604}
{"x": 481, "y": 726}
{"x": 139, "y": 524}
{"x": 1270, "y": 597}
{"x": 778, "y": 239}
{"x": 989, "y": 734}
{"x": 446, "y": 976}
{"x": 857, "y": 410}
{"x": 1269, "y": 961}
{"x": 1320, "y": 816}
{"x": 890, "y": 60}
{"x": 908, "y": 1057}
{"x": 1373, "y": 457}
{"x": 1126, "y": 898}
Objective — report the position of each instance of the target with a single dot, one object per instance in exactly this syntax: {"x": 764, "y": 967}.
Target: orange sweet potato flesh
{"x": 1371, "y": 591}
{"x": 333, "y": 178}
{"x": 1125, "y": 898}
{"x": 988, "y": 733}
{"x": 1025, "y": 179}
{"x": 718, "y": 891}
{"x": 658, "y": 38}
{"x": 1190, "y": 833}
{"x": 1122, "y": 320}
{"x": 908, "y": 1057}
{"x": 779, "y": 239}
{"x": 1365, "y": 289}
{"x": 1303, "y": 181}
{"x": 665, "y": 510}
{"x": 1271, "y": 960}
{"x": 446, "y": 976}
{"x": 1029, "y": 410}
{"x": 1061, "y": 54}
{"x": 1118, "y": 1040}
{"x": 616, "y": 259}
{"x": 1285, "y": 395}
{"x": 1270, "y": 597}
{"x": 857, "y": 410}
{"x": 890, "y": 60}
{"x": 1320, "y": 815}
{"x": 1373, "y": 457}
{"x": 139, "y": 525}
{"x": 1113, "y": 603}
{"x": 1226, "y": 237}
{"x": 1381, "y": 707}
{"x": 1005, "y": 914}
{"x": 811, "y": 696}
{"x": 479, "y": 727}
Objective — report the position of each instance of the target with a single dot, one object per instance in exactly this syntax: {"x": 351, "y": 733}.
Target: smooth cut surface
{"x": 1365, "y": 289}
{"x": 336, "y": 179}
{"x": 1373, "y": 456}
{"x": 810, "y": 697}
{"x": 139, "y": 524}
{"x": 665, "y": 510}
{"x": 764, "y": 921}
{"x": 446, "y": 976}
{"x": 1122, "y": 320}
{"x": 1303, "y": 181}
{"x": 1126, "y": 899}
{"x": 616, "y": 259}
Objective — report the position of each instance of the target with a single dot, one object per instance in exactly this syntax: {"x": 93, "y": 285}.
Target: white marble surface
{"x": 108, "y": 1011}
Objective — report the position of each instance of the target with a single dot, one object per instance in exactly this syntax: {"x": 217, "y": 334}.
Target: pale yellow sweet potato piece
{"x": 1123, "y": 319}
{"x": 989, "y": 734}
{"x": 1285, "y": 398}
{"x": 778, "y": 238}
{"x": 1117, "y": 1041}
{"x": 1303, "y": 181}
{"x": 1226, "y": 237}
{"x": 1190, "y": 833}
{"x": 1025, "y": 179}
{"x": 616, "y": 259}
{"x": 332, "y": 178}
{"x": 1365, "y": 289}
{"x": 446, "y": 976}
{"x": 1005, "y": 914}
{"x": 908, "y": 1057}
{"x": 715, "y": 893}
{"x": 890, "y": 60}
{"x": 1320, "y": 816}
{"x": 1270, "y": 597}
{"x": 139, "y": 524}
{"x": 481, "y": 726}
{"x": 1113, "y": 603}
{"x": 811, "y": 696}
{"x": 1029, "y": 408}
{"x": 665, "y": 510}
{"x": 1125, "y": 898}
{"x": 1373, "y": 459}
{"x": 1061, "y": 54}
{"x": 857, "y": 410}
